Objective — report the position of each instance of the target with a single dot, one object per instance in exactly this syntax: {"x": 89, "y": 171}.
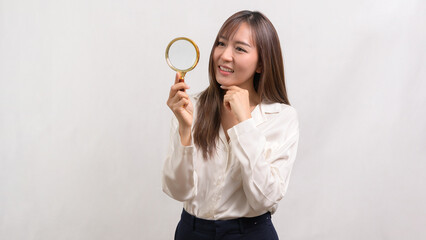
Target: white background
{"x": 84, "y": 123}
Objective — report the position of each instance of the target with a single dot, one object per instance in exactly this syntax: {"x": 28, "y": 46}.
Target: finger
{"x": 229, "y": 95}
{"x": 180, "y": 104}
{"x": 230, "y": 87}
{"x": 180, "y": 85}
{"x": 177, "y": 77}
{"x": 227, "y": 104}
{"x": 174, "y": 99}
{"x": 226, "y": 98}
{"x": 179, "y": 95}
{"x": 177, "y": 87}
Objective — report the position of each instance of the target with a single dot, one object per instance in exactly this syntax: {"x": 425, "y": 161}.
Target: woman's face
{"x": 236, "y": 59}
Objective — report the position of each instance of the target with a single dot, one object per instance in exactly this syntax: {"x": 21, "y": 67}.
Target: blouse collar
{"x": 261, "y": 110}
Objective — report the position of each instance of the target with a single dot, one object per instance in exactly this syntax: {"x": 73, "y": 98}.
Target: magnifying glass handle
{"x": 182, "y": 78}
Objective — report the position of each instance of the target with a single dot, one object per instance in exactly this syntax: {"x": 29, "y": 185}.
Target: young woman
{"x": 233, "y": 146}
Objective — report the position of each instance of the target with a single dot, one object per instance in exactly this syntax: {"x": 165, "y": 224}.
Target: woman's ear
{"x": 259, "y": 68}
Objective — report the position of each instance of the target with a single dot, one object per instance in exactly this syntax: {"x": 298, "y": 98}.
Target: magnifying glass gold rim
{"x": 196, "y": 60}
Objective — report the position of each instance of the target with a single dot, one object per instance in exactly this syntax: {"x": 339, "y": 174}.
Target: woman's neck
{"x": 254, "y": 98}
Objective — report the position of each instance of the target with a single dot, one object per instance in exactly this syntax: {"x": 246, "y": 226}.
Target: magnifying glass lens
{"x": 182, "y": 54}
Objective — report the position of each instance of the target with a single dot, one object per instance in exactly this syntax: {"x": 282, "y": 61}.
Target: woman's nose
{"x": 227, "y": 54}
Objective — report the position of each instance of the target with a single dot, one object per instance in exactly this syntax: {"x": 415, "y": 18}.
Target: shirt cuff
{"x": 241, "y": 128}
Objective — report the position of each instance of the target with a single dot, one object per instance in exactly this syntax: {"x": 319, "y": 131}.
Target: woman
{"x": 233, "y": 145}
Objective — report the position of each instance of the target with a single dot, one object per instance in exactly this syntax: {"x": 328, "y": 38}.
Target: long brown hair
{"x": 269, "y": 84}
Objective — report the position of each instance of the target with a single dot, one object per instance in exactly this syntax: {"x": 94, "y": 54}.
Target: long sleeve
{"x": 179, "y": 176}
{"x": 266, "y": 161}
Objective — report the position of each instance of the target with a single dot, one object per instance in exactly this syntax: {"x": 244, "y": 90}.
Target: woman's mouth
{"x": 225, "y": 70}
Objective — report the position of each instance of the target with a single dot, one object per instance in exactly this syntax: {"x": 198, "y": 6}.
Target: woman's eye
{"x": 239, "y": 49}
{"x": 220, "y": 44}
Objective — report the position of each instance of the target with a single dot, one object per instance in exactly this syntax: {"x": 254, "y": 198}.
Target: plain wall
{"x": 84, "y": 123}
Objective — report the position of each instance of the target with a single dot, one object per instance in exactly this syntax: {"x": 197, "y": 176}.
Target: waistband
{"x": 238, "y": 224}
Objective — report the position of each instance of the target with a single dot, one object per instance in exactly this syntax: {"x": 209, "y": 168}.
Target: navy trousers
{"x": 255, "y": 228}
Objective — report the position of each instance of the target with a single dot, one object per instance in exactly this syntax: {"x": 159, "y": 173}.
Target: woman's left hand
{"x": 237, "y": 101}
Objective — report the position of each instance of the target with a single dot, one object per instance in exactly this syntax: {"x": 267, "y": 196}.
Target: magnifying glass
{"x": 182, "y": 55}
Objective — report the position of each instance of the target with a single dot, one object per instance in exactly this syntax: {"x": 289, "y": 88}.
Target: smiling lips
{"x": 225, "y": 70}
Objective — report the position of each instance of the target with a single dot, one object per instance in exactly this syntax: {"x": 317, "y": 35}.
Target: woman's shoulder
{"x": 282, "y": 117}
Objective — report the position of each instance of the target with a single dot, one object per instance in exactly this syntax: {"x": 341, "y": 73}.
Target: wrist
{"x": 185, "y": 135}
{"x": 243, "y": 118}
{"x": 184, "y": 129}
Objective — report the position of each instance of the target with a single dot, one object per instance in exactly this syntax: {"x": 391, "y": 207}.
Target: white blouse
{"x": 246, "y": 177}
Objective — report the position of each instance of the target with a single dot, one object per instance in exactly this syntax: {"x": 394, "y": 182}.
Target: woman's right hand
{"x": 182, "y": 107}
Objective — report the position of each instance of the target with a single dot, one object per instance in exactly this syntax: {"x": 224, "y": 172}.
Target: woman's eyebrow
{"x": 243, "y": 43}
{"x": 237, "y": 42}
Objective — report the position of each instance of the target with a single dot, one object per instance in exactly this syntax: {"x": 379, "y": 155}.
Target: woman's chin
{"x": 224, "y": 82}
